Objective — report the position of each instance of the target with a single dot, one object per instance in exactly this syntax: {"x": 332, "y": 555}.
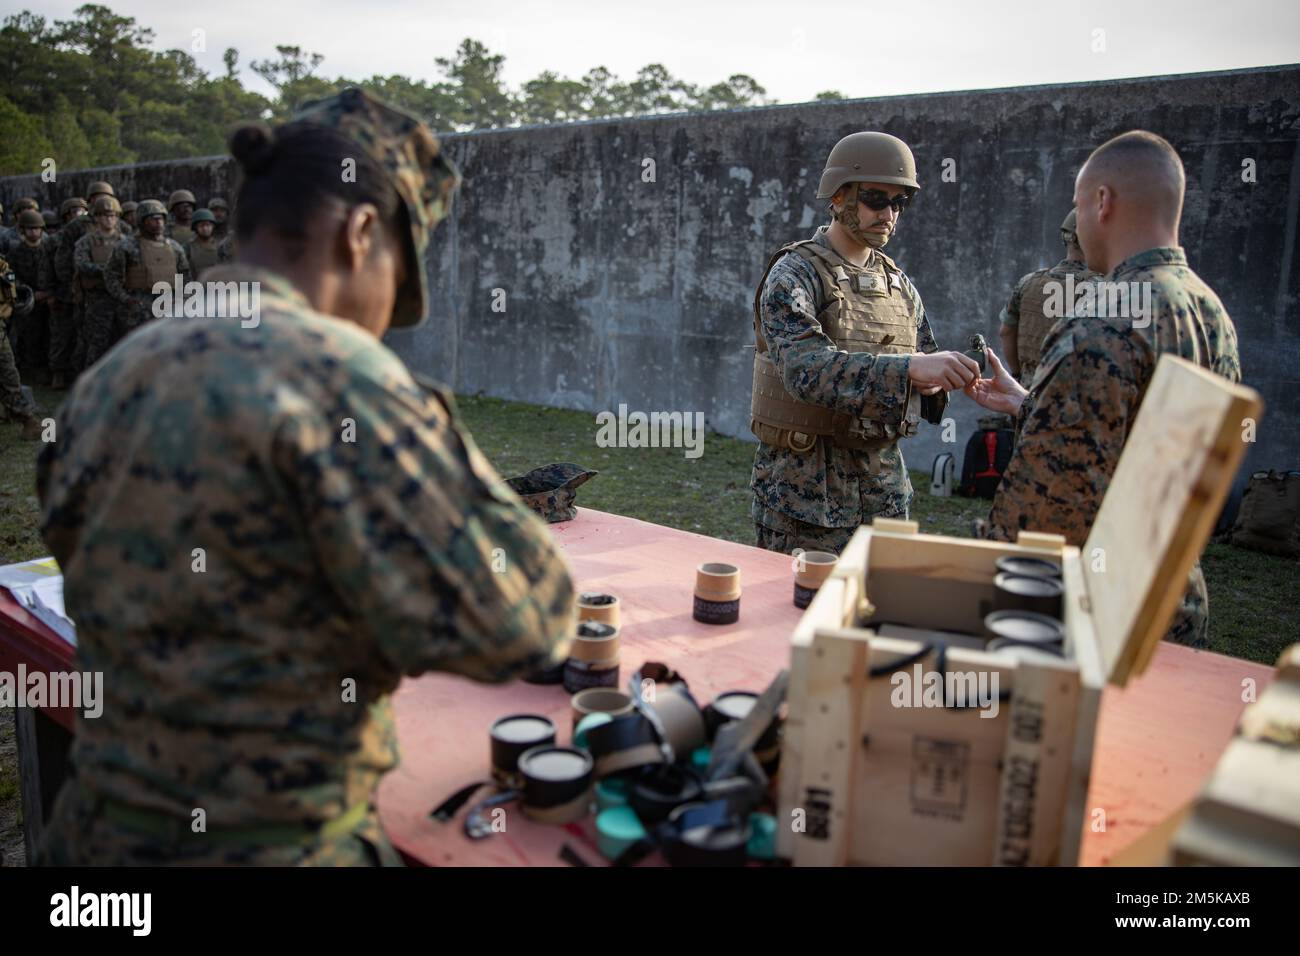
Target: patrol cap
{"x": 76, "y": 202}
{"x": 216, "y": 202}
{"x": 868, "y": 157}
{"x": 422, "y": 175}
{"x": 105, "y": 203}
{"x": 150, "y": 207}
{"x": 29, "y": 218}
{"x": 99, "y": 189}
{"x": 179, "y": 196}
{"x": 203, "y": 215}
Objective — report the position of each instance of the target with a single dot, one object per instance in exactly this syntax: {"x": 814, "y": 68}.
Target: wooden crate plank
{"x": 1160, "y": 507}
{"x": 836, "y": 678}
{"x": 1037, "y": 757}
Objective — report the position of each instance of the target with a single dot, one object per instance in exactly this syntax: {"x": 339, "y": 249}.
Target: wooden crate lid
{"x": 1160, "y": 508}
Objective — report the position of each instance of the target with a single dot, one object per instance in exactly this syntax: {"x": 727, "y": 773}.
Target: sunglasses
{"x": 877, "y": 200}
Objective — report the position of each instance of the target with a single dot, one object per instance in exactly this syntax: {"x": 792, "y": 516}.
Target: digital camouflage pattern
{"x": 423, "y": 176}
{"x": 350, "y": 531}
{"x": 550, "y": 490}
{"x": 1026, "y": 315}
{"x": 137, "y": 304}
{"x": 100, "y": 323}
{"x": 355, "y": 532}
{"x": 34, "y": 268}
{"x": 1073, "y": 424}
{"x": 830, "y": 489}
{"x": 15, "y": 302}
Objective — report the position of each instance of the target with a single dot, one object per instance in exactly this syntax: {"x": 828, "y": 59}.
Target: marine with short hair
{"x": 1075, "y": 419}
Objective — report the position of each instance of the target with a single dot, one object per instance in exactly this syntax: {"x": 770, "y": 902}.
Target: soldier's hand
{"x": 1000, "y": 392}
{"x": 951, "y": 370}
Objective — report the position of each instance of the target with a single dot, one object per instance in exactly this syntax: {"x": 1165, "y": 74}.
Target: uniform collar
{"x": 270, "y": 284}
{"x": 1161, "y": 256}
{"x": 822, "y": 239}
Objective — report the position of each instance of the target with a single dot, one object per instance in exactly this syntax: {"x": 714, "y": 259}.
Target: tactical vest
{"x": 157, "y": 264}
{"x": 182, "y": 234}
{"x": 1033, "y": 326}
{"x": 101, "y": 250}
{"x": 861, "y": 310}
{"x": 202, "y": 255}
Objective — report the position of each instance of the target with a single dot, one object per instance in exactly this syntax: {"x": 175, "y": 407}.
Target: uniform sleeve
{"x": 932, "y": 406}
{"x": 182, "y": 261}
{"x": 81, "y": 258}
{"x": 1072, "y": 430}
{"x": 814, "y": 370}
{"x": 443, "y": 566}
{"x": 115, "y": 274}
{"x": 1009, "y": 317}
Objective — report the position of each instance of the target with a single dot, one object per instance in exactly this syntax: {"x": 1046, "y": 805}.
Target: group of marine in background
{"x": 91, "y": 268}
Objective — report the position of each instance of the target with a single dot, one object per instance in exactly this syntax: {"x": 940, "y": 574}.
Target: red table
{"x": 1157, "y": 740}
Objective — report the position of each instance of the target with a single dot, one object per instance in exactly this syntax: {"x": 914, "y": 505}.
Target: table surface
{"x": 1157, "y": 739}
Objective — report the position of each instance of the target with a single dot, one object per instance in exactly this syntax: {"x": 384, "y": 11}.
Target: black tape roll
{"x": 624, "y": 743}
{"x": 803, "y": 596}
{"x": 704, "y": 834}
{"x": 554, "y": 776}
{"x": 1029, "y": 567}
{"x": 716, "y": 612}
{"x": 579, "y": 675}
{"x": 514, "y": 735}
{"x": 658, "y": 791}
{"x": 1022, "y": 592}
{"x": 551, "y": 675}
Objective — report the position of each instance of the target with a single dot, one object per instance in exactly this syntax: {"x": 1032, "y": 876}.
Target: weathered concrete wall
{"x": 622, "y": 290}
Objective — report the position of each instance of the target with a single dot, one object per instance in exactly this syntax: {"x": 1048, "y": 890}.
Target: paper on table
{"x": 38, "y": 587}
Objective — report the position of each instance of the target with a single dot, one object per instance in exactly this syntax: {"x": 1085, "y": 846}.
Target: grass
{"x": 1253, "y": 613}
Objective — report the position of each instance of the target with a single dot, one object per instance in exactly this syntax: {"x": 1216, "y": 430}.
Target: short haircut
{"x": 1142, "y": 166}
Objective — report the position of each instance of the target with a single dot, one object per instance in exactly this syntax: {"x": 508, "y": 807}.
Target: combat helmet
{"x": 179, "y": 196}
{"x": 868, "y": 157}
{"x": 203, "y": 215}
{"x": 27, "y": 202}
{"x": 29, "y": 218}
{"x": 1070, "y": 228}
{"x": 216, "y": 202}
{"x": 76, "y": 202}
{"x": 99, "y": 189}
{"x": 105, "y": 203}
{"x": 150, "y": 207}
{"x": 129, "y": 206}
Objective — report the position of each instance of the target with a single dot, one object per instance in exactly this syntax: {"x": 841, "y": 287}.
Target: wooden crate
{"x": 866, "y": 782}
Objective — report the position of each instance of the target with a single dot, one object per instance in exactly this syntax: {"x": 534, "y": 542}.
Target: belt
{"x": 164, "y": 827}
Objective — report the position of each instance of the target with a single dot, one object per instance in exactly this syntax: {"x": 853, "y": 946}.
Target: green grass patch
{"x": 1253, "y": 611}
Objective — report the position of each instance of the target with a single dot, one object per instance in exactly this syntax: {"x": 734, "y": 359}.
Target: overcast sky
{"x": 794, "y": 49}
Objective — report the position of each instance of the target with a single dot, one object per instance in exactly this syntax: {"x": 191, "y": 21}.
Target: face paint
{"x": 848, "y": 218}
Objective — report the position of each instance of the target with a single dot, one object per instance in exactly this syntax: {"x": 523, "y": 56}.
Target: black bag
{"x": 988, "y": 452}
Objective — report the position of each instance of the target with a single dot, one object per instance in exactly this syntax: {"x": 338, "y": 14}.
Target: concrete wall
{"x": 622, "y": 290}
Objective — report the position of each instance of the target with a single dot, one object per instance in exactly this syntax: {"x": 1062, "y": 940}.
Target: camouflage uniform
{"x": 226, "y": 248}
{"x": 1073, "y": 424}
{"x": 34, "y": 268}
{"x": 100, "y": 326}
{"x": 65, "y": 307}
{"x": 202, "y": 254}
{"x": 137, "y": 303}
{"x": 1016, "y": 313}
{"x": 350, "y": 528}
{"x": 12, "y": 399}
{"x": 816, "y": 500}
